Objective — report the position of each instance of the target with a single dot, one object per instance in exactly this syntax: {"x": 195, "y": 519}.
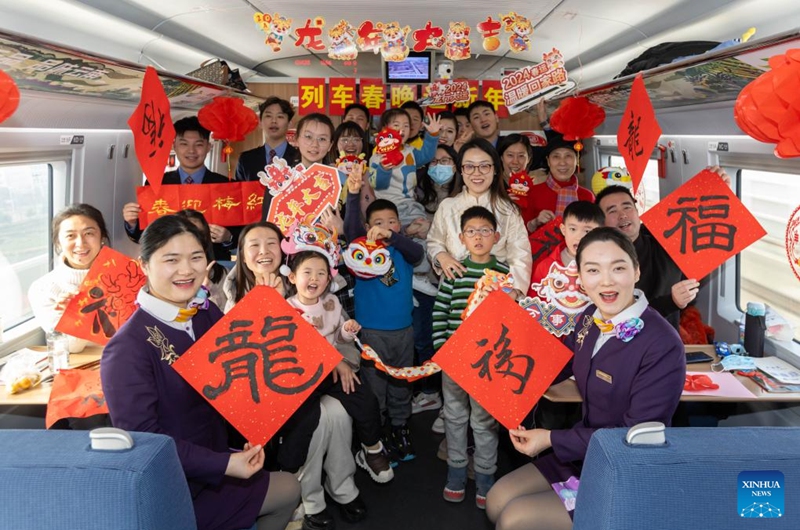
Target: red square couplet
{"x": 501, "y": 357}
{"x": 638, "y": 131}
{"x": 258, "y": 364}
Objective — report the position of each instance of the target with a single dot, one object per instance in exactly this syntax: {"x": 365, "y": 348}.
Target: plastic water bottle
{"x": 755, "y": 326}
{"x": 57, "y": 351}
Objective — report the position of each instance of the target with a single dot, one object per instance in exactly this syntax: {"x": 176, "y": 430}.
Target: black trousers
{"x": 361, "y": 405}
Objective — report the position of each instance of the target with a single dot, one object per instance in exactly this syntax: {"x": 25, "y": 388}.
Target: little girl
{"x": 310, "y": 276}
{"x": 479, "y": 182}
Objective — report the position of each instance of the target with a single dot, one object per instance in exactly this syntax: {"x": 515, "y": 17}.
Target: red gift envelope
{"x": 503, "y": 359}
{"x": 106, "y": 298}
{"x": 258, "y": 364}
{"x": 702, "y": 224}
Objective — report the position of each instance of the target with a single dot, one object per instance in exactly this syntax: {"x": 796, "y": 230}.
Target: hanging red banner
{"x": 399, "y": 94}
{"x": 638, "y": 131}
{"x": 544, "y": 240}
{"x": 702, "y": 224}
{"x": 493, "y": 93}
{"x": 230, "y": 204}
{"x": 372, "y": 94}
{"x": 257, "y": 370}
{"x": 306, "y": 197}
{"x": 152, "y": 128}
{"x": 311, "y": 91}
{"x": 503, "y": 360}
{"x": 341, "y": 93}
{"x": 106, "y": 298}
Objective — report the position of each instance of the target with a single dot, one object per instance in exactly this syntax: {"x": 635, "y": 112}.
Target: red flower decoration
{"x": 768, "y": 109}
{"x": 9, "y": 96}
{"x": 576, "y": 118}
{"x": 228, "y": 119}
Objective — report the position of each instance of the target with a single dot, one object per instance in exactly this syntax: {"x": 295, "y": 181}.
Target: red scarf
{"x": 567, "y": 192}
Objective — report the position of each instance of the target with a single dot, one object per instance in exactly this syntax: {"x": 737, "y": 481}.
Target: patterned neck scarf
{"x": 567, "y": 192}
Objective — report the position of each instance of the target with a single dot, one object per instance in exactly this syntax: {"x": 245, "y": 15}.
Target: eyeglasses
{"x": 445, "y": 161}
{"x": 320, "y": 140}
{"x": 351, "y": 140}
{"x": 483, "y": 169}
{"x": 484, "y": 232}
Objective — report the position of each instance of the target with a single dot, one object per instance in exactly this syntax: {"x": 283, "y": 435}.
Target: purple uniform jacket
{"x": 144, "y": 393}
{"x": 625, "y": 383}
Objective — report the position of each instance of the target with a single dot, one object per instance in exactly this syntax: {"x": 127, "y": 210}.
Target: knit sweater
{"x": 45, "y": 291}
{"x": 327, "y": 317}
{"x": 452, "y": 298}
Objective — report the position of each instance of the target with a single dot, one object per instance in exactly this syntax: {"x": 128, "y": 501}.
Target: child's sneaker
{"x": 455, "y": 490}
{"x": 483, "y": 483}
{"x": 423, "y": 401}
{"x": 376, "y": 464}
{"x": 438, "y": 425}
{"x": 402, "y": 444}
{"x": 441, "y": 452}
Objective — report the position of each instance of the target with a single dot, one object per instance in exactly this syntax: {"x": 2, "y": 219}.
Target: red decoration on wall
{"x": 502, "y": 359}
{"x": 341, "y": 93}
{"x": 105, "y": 299}
{"x": 638, "y": 131}
{"x": 768, "y": 109}
{"x": 152, "y": 128}
{"x": 312, "y": 95}
{"x": 793, "y": 241}
{"x": 258, "y": 364}
{"x": 493, "y": 93}
{"x": 9, "y": 96}
{"x": 577, "y": 118}
{"x": 702, "y": 224}
{"x": 372, "y": 94}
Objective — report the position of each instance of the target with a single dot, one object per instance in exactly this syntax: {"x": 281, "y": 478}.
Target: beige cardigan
{"x": 513, "y": 248}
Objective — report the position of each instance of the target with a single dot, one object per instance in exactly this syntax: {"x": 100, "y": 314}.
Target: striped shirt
{"x": 451, "y": 300}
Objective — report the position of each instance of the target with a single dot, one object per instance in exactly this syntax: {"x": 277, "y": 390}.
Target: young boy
{"x": 580, "y": 218}
{"x": 383, "y": 308}
{"x": 478, "y": 234}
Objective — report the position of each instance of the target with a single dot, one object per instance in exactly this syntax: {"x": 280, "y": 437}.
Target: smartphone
{"x": 697, "y": 357}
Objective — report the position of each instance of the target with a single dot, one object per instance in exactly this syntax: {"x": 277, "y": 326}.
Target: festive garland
{"x": 410, "y": 373}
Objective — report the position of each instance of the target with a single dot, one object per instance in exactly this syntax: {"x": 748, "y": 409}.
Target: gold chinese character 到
{"x": 322, "y": 182}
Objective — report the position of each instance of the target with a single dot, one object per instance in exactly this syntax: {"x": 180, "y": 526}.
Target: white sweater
{"x": 46, "y": 290}
{"x": 513, "y": 248}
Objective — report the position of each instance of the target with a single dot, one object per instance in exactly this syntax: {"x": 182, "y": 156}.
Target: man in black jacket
{"x": 191, "y": 147}
{"x": 275, "y": 114}
{"x": 661, "y": 280}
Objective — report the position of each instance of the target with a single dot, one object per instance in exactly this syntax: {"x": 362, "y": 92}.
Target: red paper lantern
{"x": 228, "y": 119}
{"x": 576, "y": 118}
{"x": 768, "y": 109}
{"x": 9, "y": 96}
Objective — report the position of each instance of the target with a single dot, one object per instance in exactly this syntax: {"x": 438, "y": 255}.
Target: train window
{"x": 764, "y": 273}
{"x": 26, "y": 192}
{"x": 650, "y": 182}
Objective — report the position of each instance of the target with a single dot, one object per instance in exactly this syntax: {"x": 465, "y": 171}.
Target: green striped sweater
{"x": 452, "y": 298}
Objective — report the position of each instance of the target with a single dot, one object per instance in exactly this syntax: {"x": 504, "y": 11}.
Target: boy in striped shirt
{"x": 478, "y": 234}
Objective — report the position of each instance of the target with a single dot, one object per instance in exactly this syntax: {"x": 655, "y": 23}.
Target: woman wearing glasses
{"x": 548, "y": 200}
{"x": 479, "y": 183}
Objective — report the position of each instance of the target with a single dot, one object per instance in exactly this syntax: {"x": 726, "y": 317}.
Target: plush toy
{"x": 692, "y": 328}
{"x": 367, "y": 259}
{"x": 610, "y": 176}
{"x": 519, "y": 184}
{"x": 389, "y": 143}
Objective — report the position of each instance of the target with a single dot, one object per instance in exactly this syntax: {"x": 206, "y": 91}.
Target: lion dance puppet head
{"x": 367, "y": 259}
{"x": 316, "y": 238}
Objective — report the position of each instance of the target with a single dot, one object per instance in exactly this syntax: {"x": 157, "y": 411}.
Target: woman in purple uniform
{"x": 144, "y": 393}
{"x": 629, "y": 365}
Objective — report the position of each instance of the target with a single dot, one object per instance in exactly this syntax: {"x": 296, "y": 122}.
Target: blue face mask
{"x": 441, "y": 174}
{"x": 734, "y": 363}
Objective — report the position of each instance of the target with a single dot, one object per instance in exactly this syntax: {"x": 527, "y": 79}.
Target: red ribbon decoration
{"x": 9, "y": 96}
{"x": 698, "y": 383}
